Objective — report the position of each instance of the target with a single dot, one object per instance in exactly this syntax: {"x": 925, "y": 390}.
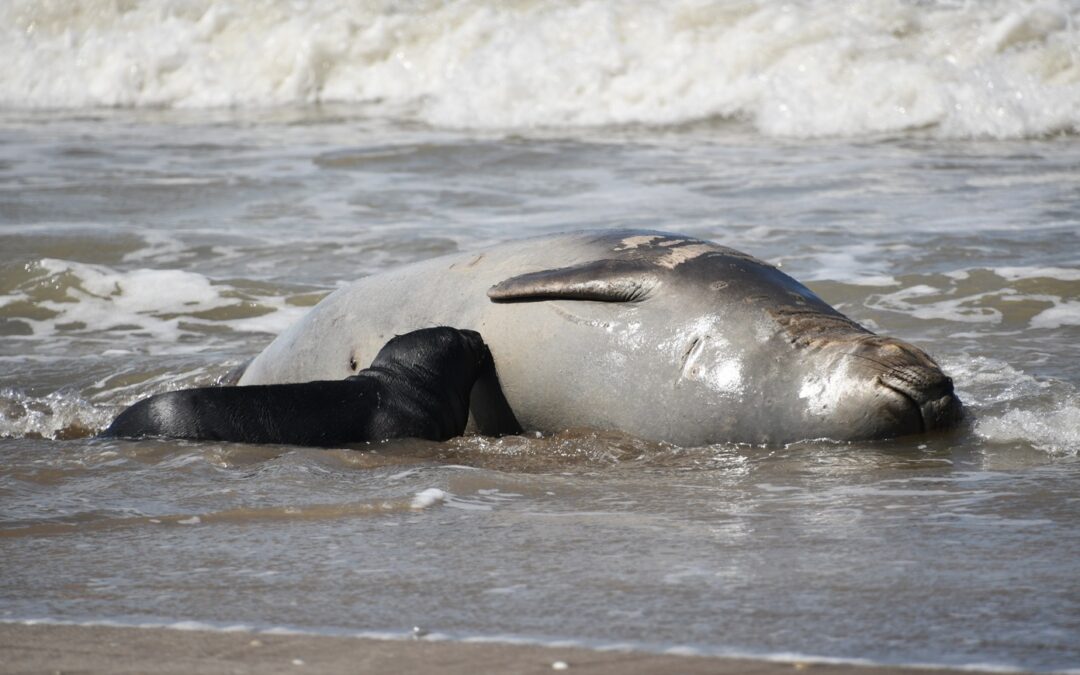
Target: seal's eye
{"x": 352, "y": 363}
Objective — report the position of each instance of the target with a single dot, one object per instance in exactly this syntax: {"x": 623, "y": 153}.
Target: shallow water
{"x": 149, "y": 249}
{"x": 175, "y": 250}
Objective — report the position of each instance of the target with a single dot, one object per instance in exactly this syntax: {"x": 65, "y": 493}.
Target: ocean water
{"x": 179, "y": 181}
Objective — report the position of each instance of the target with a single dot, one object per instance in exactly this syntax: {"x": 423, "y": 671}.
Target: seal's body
{"x": 657, "y": 335}
{"x": 417, "y": 386}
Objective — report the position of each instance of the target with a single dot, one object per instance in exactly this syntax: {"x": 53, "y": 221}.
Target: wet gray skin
{"x": 657, "y": 335}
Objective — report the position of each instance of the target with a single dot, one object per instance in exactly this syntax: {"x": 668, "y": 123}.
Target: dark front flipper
{"x": 490, "y": 409}
{"x": 607, "y": 280}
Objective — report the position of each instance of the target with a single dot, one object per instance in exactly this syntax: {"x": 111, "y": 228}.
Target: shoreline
{"x": 52, "y": 648}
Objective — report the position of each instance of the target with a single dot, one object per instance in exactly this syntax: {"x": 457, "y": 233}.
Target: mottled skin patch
{"x": 634, "y": 242}
{"x": 678, "y": 256}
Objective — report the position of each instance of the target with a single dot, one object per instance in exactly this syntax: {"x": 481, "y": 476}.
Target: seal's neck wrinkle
{"x": 816, "y": 328}
{"x": 909, "y": 363}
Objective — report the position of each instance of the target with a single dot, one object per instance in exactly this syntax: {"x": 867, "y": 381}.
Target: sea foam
{"x": 81, "y": 297}
{"x": 999, "y": 68}
{"x": 1054, "y": 431}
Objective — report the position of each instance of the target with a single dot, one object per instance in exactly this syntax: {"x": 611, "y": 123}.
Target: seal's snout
{"x": 920, "y": 395}
{"x": 929, "y": 390}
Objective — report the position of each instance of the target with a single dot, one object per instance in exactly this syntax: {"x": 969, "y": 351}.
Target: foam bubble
{"x": 427, "y": 498}
{"x": 997, "y": 68}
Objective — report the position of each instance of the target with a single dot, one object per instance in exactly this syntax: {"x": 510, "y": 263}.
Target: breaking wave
{"x": 1000, "y": 69}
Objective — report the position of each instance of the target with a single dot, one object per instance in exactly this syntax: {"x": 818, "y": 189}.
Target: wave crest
{"x": 802, "y": 69}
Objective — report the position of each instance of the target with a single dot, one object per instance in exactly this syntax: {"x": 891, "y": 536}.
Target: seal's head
{"x": 446, "y": 355}
{"x": 876, "y": 387}
{"x": 434, "y": 368}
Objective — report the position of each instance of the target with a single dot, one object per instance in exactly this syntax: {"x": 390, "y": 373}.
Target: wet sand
{"x": 156, "y": 651}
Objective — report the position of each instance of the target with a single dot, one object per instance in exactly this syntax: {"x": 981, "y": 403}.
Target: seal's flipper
{"x": 488, "y": 405}
{"x": 601, "y": 280}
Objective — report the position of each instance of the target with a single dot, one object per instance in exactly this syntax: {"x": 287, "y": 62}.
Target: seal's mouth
{"x": 912, "y": 404}
{"x": 929, "y": 392}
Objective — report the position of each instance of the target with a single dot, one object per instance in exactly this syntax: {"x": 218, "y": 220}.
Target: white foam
{"x": 1017, "y": 273}
{"x": 1054, "y": 431}
{"x": 95, "y": 297}
{"x": 854, "y": 263}
{"x": 202, "y": 626}
{"x": 879, "y": 280}
{"x": 161, "y": 303}
{"x": 925, "y": 301}
{"x": 914, "y": 301}
{"x": 53, "y": 416}
{"x": 1065, "y": 313}
{"x": 427, "y": 498}
{"x": 273, "y": 323}
{"x": 1012, "y": 406}
{"x": 995, "y": 68}
{"x": 137, "y": 291}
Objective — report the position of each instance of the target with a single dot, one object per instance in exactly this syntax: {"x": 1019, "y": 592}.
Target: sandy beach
{"x": 157, "y": 651}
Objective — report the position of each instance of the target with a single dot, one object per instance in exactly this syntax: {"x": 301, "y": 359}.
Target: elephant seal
{"x": 418, "y": 386}
{"x": 657, "y": 335}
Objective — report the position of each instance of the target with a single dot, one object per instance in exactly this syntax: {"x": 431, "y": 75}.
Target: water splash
{"x": 59, "y": 415}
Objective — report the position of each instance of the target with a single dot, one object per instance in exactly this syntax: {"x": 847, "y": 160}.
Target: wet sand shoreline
{"x": 48, "y": 648}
